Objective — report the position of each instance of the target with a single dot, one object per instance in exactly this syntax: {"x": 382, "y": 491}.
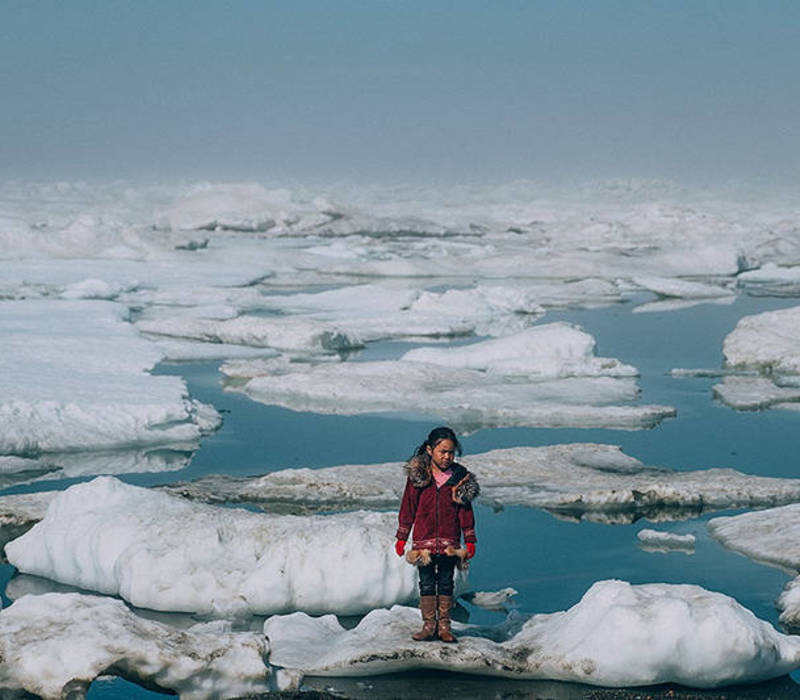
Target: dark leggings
{"x": 437, "y": 575}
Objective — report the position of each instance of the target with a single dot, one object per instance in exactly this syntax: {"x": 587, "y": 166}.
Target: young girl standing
{"x": 437, "y": 504}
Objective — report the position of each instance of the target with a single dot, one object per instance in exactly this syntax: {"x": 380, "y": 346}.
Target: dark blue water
{"x": 550, "y": 562}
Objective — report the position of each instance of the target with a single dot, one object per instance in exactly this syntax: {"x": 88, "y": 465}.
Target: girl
{"x": 437, "y": 503}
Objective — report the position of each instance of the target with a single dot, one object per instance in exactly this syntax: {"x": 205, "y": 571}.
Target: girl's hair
{"x": 435, "y": 437}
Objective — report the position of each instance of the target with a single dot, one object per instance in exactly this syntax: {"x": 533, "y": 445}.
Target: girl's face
{"x": 442, "y": 454}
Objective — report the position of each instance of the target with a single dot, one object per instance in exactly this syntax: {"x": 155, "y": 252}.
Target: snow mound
{"x": 165, "y": 553}
{"x": 550, "y": 351}
{"x": 769, "y": 342}
{"x": 55, "y": 645}
{"x": 617, "y": 635}
{"x": 81, "y": 382}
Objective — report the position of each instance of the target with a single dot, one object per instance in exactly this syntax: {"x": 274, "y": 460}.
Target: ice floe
{"x": 771, "y": 536}
{"x": 766, "y": 343}
{"x": 659, "y": 541}
{"x": 55, "y": 645}
{"x": 769, "y": 342}
{"x": 681, "y": 289}
{"x": 549, "y": 351}
{"x": 544, "y": 376}
{"x": 491, "y": 600}
{"x": 617, "y": 635}
{"x": 578, "y": 479}
{"x": 81, "y": 382}
{"x": 165, "y": 553}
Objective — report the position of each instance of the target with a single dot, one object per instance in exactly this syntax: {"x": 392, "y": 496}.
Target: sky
{"x": 415, "y": 92}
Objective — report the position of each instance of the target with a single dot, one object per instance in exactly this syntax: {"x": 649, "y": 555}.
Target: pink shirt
{"x": 441, "y": 477}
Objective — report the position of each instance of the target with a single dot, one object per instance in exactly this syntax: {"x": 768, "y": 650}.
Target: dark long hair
{"x": 435, "y": 437}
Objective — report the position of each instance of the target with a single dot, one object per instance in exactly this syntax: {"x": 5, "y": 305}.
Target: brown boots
{"x": 428, "y": 605}
{"x": 445, "y": 603}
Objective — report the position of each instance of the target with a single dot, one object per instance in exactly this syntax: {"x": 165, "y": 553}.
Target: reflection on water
{"x": 551, "y": 561}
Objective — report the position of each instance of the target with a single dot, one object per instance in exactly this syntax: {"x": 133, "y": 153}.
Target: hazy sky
{"x": 399, "y": 91}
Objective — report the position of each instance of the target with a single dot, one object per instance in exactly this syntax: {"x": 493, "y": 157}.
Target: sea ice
{"x": 771, "y": 536}
{"x": 55, "y": 645}
{"x": 490, "y": 600}
{"x": 549, "y": 351}
{"x": 81, "y": 381}
{"x": 284, "y": 333}
{"x": 544, "y": 376}
{"x": 658, "y": 541}
{"x": 165, "y": 553}
{"x": 579, "y": 479}
{"x": 617, "y": 635}
{"x": 681, "y": 289}
{"x": 767, "y": 343}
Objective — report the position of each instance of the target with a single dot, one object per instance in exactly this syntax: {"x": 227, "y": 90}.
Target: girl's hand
{"x": 470, "y": 550}
{"x": 400, "y": 547}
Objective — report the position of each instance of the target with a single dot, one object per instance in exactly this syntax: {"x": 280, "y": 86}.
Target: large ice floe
{"x": 81, "y": 382}
{"x": 617, "y": 635}
{"x": 771, "y": 536}
{"x": 543, "y": 376}
{"x": 767, "y": 344}
{"x": 55, "y": 645}
{"x": 165, "y": 553}
{"x": 579, "y": 479}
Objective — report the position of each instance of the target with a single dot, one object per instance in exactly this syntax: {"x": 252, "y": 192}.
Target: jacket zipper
{"x": 436, "y": 519}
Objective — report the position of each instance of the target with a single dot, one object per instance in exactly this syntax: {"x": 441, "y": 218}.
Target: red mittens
{"x": 400, "y": 547}
{"x": 470, "y": 550}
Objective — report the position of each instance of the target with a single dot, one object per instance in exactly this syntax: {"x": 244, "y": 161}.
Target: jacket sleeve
{"x": 408, "y": 511}
{"x": 466, "y": 519}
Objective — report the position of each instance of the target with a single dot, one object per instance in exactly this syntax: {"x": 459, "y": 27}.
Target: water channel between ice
{"x": 551, "y": 562}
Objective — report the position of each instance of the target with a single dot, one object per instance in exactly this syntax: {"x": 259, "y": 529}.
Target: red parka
{"x": 438, "y": 516}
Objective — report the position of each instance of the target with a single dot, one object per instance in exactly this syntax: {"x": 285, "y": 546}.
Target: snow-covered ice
{"x": 165, "y": 553}
{"x": 767, "y": 343}
{"x": 617, "y": 635}
{"x": 549, "y": 351}
{"x": 681, "y": 289}
{"x": 491, "y": 600}
{"x": 771, "y": 536}
{"x": 81, "y": 381}
{"x": 576, "y": 478}
{"x": 544, "y": 376}
{"x": 55, "y": 645}
{"x": 660, "y": 541}
{"x": 285, "y": 333}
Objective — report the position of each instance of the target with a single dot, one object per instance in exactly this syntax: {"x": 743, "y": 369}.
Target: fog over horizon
{"x": 698, "y": 91}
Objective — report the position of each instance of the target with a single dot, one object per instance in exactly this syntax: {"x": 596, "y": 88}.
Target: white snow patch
{"x": 768, "y": 341}
{"x": 55, "y": 645}
{"x": 81, "y": 382}
{"x": 617, "y": 635}
{"x": 165, "y": 553}
{"x": 550, "y": 351}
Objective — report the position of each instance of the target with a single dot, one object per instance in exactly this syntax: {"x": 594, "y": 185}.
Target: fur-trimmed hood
{"x": 465, "y": 485}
